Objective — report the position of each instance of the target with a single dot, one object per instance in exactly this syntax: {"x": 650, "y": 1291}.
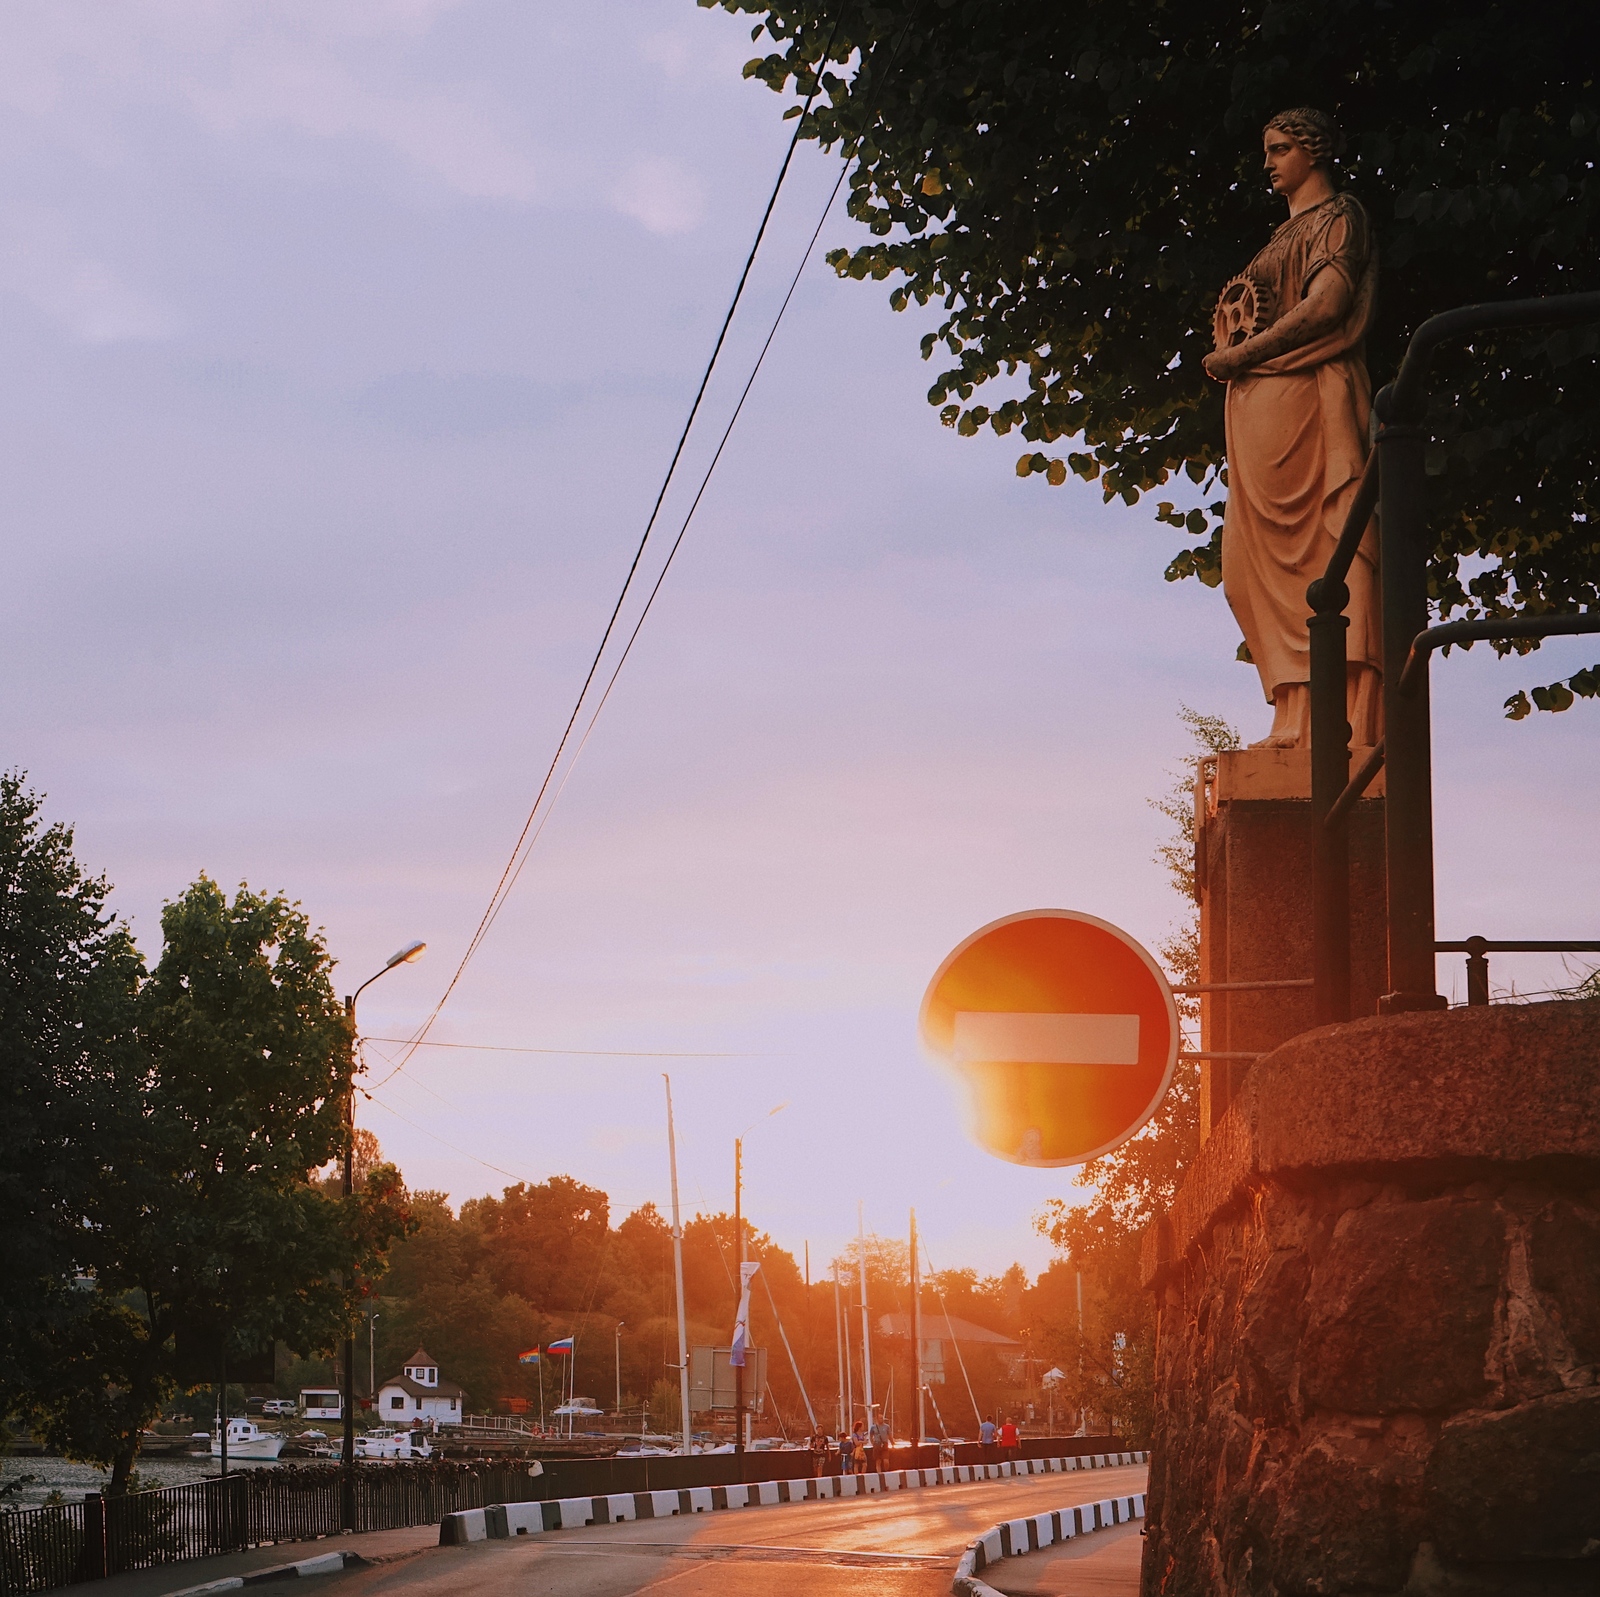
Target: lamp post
{"x": 619, "y": 1367}
{"x": 372, "y": 1361}
{"x": 347, "y": 1494}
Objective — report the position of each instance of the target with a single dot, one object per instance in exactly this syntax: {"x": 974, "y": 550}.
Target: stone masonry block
{"x": 1401, "y": 1308}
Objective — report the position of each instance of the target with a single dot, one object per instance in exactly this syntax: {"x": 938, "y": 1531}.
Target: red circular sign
{"x": 1063, "y": 1027}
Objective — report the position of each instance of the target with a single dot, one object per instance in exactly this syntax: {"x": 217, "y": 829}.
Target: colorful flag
{"x": 530, "y": 1357}
{"x": 560, "y": 1348}
{"x": 741, "y": 1325}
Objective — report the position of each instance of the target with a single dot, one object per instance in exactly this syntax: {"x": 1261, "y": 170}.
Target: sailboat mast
{"x": 677, "y": 1270}
{"x": 866, "y": 1321}
{"x": 916, "y": 1331}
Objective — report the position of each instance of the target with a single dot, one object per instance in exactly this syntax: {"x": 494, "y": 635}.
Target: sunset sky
{"x": 342, "y": 349}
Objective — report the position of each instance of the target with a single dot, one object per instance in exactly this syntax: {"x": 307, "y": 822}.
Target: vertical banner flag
{"x": 530, "y": 1357}
{"x": 560, "y": 1348}
{"x": 741, "y": 1326}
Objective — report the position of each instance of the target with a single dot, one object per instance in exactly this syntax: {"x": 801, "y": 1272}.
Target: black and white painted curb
{"x": 322, "y": 1564}
{"x": 1014, "y": 1537}
{"x": 501, "y": 1520}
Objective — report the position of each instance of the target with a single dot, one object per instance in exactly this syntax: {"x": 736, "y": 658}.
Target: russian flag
{"x": 560, "y": 1348}
{"x": 530, "y": 1357}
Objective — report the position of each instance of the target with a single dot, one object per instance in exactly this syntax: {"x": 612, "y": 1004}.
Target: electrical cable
{"x": 508, "y": 874}
{"x": 565, "y": 1053}
{"x": 676, "y": 544}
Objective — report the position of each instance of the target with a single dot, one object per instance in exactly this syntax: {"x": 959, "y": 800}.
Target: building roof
{"x": 422, "y": 1357}
{"x": 941, "y": 1328}
{"x": 417, "y": 1389}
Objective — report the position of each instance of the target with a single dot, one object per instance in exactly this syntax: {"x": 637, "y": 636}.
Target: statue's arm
{"x": 1326, "y": 304}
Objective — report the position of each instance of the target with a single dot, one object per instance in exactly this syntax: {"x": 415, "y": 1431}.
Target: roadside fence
{"x": 62, "y": 1544}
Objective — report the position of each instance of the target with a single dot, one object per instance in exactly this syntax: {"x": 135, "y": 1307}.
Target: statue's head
{"x": 1298, "y": 143}
{"x": 1314, "y": 131}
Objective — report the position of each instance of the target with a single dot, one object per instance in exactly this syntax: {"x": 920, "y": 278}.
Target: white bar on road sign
{"x": 995, "y": 1037}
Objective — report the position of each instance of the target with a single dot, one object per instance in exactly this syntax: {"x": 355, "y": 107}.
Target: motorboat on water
{"x": 383, "y": 1441}
{"x": 246, "y": 1440}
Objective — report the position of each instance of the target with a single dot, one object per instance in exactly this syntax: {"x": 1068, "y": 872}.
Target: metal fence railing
{"x": 45, "y": 1548}
{"x": 1395, "y": 485}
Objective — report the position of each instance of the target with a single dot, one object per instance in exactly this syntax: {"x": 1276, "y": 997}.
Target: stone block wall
{"x": 1378, "y": 1356}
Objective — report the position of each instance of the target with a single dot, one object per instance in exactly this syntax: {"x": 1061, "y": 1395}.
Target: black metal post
{"x": 1408, "y": 842}
{"x": 738, "y": 1227}
{"x": 1477, "y": 971}
{"x": 1330, "y": 772}
{"x": 347, "y": 1461}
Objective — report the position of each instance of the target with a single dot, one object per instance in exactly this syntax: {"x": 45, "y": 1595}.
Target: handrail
{"x": 1320, "y": 594}
{"x": 1489, "y": 628}
{"x": 1398, "y": 485}
{"x": 1357, "y": 785}
{"x": 1406, "y": 399}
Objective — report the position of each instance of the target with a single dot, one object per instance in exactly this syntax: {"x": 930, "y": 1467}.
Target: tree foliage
{"x": 1111, "y": 1363}
{"x": 162, "y": 1137}
{"x": 1072, "y": 185}
{"x": 69, "y": 978}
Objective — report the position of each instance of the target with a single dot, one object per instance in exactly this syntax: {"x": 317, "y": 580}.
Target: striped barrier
{"x": 1014, "y": 1537}
{"x": 502, "y": 1520}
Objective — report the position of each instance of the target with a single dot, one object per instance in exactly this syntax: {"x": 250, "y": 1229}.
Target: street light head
{"x": 408, "y": 955}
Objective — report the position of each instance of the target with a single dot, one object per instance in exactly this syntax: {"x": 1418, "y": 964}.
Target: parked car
{"x": 282, "y": 1407}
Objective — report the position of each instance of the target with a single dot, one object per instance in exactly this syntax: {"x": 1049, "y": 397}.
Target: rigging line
{"x": 585, "y": 1053}
{"x": 503, "y": 886}
{"x": 705, "y": 481}
{"x": 361, "y": 1043}
{"x": 427, "y": 1132}
{"x": 933, "y": 1276}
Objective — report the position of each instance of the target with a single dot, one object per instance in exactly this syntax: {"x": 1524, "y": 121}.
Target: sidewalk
{"x": 1103, "y": 1565}
{"x": 377, "y": 1547}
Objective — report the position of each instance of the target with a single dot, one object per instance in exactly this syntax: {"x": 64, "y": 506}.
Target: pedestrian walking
{"x": 1010, "y": 1440}
{"x": 847, "y": 1452}
{"x": 879, "y": 1439}
{"x": 986, "y": 1436}
{"x": 858, "y": 1445}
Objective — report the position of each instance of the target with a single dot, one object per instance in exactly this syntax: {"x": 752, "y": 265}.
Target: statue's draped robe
{"x": 1297, "y": 445}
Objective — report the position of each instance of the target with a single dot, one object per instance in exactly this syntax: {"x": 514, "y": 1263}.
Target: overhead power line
{"x": 529, "y": 832}
{"x": 574, "y": 1053}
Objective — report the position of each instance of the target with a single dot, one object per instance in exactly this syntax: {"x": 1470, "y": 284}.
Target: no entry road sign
{"x": 1064, "y": 1029}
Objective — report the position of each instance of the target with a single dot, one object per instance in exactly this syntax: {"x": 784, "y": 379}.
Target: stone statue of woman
{"x": 1290, "y": 334}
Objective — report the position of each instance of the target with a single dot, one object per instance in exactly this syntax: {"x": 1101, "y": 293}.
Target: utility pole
{"x": 1083, "y": 1413}
{"x": 347, "y": 1484}
{"x": 738, "y": 1226}
{"x": 619, "y": 1367}
{"x": 677, "y": 1269}
{"x": 839, "y": 1352}
{"x": 866, "y": 1322}
{"x": 916, "y": 1329}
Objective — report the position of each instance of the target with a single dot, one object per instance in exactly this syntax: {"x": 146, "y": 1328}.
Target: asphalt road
{"x": 899, "y": 1544}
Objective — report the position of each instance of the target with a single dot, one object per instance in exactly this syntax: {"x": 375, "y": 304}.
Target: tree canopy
{"x": 1074, "y": 184}
{"x": 161, "y": 1138}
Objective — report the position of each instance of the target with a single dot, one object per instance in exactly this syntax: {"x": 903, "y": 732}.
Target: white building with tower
{"x": 419, "y": 1392}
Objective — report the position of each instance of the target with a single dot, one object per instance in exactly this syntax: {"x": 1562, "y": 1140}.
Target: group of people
{"x": 1000, "y": 1442}
{"x": 861, "y": 1450}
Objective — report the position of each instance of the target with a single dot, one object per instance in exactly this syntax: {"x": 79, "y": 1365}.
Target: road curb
{"x": 500, "y": 1521}
{"x": 322, "y": 1564}
{"x": 1014, "y": 1537}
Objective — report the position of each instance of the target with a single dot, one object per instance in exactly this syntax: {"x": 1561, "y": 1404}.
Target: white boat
{"x": 246, "y": 1440}
{"x": 384, "y": 1441}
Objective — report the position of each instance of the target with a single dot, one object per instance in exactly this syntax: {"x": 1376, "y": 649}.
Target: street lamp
{"x": 619, "y": 1366}
{"x": 347, "y": 1496}
{"x": 372, "y": 1362}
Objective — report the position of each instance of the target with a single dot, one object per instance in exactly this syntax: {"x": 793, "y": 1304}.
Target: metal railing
{"x": 1394, "y": 483}
{"x": 43, "y": 1548}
